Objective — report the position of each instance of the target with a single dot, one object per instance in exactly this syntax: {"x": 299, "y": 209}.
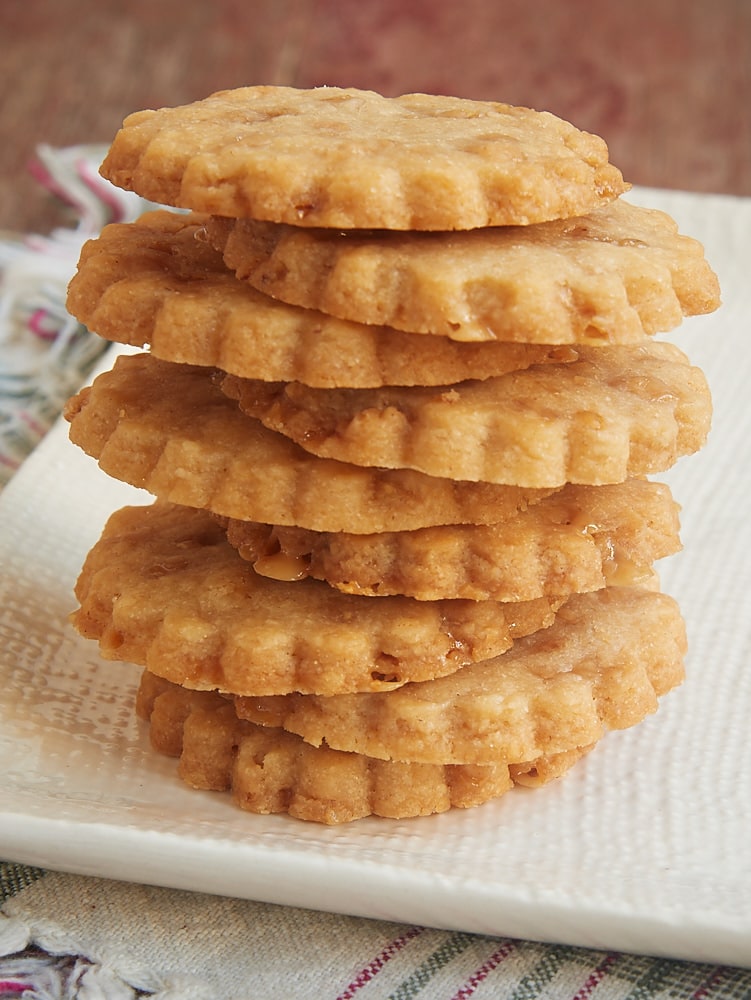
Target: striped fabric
{"x": 168, "y": 944}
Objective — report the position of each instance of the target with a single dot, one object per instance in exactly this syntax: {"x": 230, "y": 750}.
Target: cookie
{"x": 602, "y": 665}
{"x": 578, "y": 539}
{"x": 272, "y": 771}
{"x": 154, "y": 282}
{"x": 163, "y": 588}
{"x": 613, "y": 413}
{"x": 353, "y": 159}
{"x": 168, "y": 429}
{"x": 617, "y": 275}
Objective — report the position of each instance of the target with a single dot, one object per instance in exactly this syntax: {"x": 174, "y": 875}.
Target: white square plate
{"x": 645, "y": 846}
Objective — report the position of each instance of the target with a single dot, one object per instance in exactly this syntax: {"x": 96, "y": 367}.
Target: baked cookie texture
{"x": 610, "y": 277}
{"x": 158, "y": 282}
{"x": 164, "y": 588}
{"x": 400, "y": 399}
{"x": 413, "y": 162}
{"x": 268, "y": 770}
{"x": 169, "y": 429}
{"x": 576, "y": 539}
{"x": 601, "y": 665}
{"x": 618, "y": 413}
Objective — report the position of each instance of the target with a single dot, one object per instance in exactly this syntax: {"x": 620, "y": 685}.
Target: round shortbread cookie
{"x": 168, "y": 429}
{"x": 602, "y": 665}
{"x": 354, "y": 159}
{"x": 578, "y": 539}
{"x": 153, "y": 282}
{"x": 615, "y": 276}
{"x": 613, "y": 413}
{"x": 163, "y": 588}
{"x": 272, "y": 771}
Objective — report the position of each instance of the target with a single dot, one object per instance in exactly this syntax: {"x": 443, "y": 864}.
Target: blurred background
{"x": 666, "y": 82}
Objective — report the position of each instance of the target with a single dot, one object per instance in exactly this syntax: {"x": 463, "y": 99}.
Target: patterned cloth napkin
{"x": 112, "y": 941}
{"x": 68, "y": 936}
{"x": 45, "y": 354}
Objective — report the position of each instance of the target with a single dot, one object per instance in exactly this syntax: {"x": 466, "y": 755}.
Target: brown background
{"x": 666, "y": 82}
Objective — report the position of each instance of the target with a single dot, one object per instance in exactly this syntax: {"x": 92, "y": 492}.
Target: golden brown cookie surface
{"x": 614, "y": 276}
{"x": 163, "y": 588}
{"x": 613, "y": 413}
{"x": 352, "y": 159}
{"x": 601, "y": 665}
{"x": 399, "y": 405}
{"x": 156, "y": 282}
{"x": 169, "y": 429}
{"x": 578, "y": 539}
{"x": 272, "y": 771}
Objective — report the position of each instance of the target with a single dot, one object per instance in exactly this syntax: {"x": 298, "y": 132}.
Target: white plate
{"x": 643, "y": 847}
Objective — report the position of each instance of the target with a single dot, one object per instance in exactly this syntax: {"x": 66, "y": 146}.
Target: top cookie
{"x": 353, "y": 159}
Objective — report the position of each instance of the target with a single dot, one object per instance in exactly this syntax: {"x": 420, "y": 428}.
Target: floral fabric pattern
{"x": 45, "y": 354}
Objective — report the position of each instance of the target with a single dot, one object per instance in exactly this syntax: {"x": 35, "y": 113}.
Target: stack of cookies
{"x": 399, "y": 406}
